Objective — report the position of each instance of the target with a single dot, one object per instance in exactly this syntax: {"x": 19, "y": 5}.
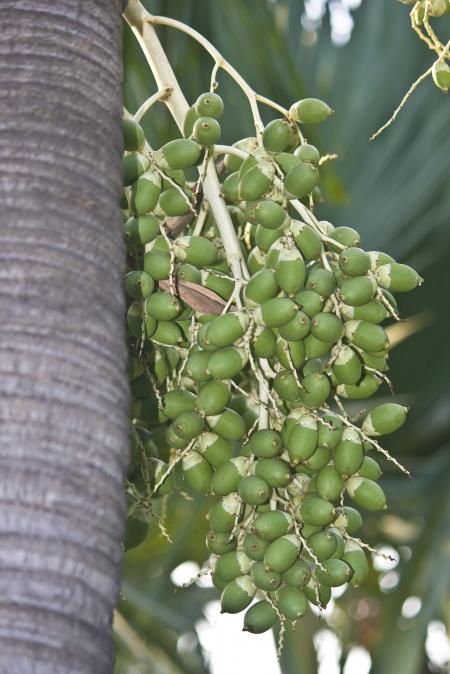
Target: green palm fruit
{"x": 232, "y": 564}
{"x": 168, "y": 333}
{"x": 340, "y": 542}
{"x": 145, "y": 193}
{"x": 309, "y": 301}
{"x": 264, "y": 342}
{"x": 217, "y": 581}
{"x": 282, "y": 553}
{"x": 197, "y": 365}
{"x": 330, "y": 431}
{"x": 310, "y": 111}
{"x": 276, "y": 312}
{"x": 226, "y": 363}
{"x": 309, "y": 530}
{"x": 188, "y": 425}
{"x": 210, "y": 104}
{"x": 227, "y": 476}
{"x": 291, "y": 271}
{"x": 218, "y": 283}
{"x": 136, "y": 533}
{"x": 265, "y": 240}
{"x": 315, "y": 391}
{"x": 384, "y": 419}
{"x": 277, "y": 135}
{"x": 323, "y": 544}
{"x": 178, "y": 154}
{"x": 306, "y": 240}
{"x": 173, "y": 201}
{"x": 162, "y": 306}
{"x": 312, "y": 590}
{"x": 134, "y": 321}
{"x": 256, "y": 181}
{"x": 237, "y": 595}
{"x": 347, "y": 367}
{"x": 173, "y": 176}
{"x": 302, "y": 441}
{"x": 368, "y": 336}
{"x": 373, "y": 312}
{"x": 348, "y": 455}
{"x": 348, "y": 519}
{"x": 356, "y": 558}
{"x": 138, "y": 285}
{"x": 248, "y": 163}
{"x": 227, "y": 329}
{"x": 376, "y": 362}
{"x": 261, "y": 287}
{"x": 354, "y": 261}
{"x": 297, "y": 575}
{"x": 259, "y": 618}
{"x": 370, "y": 469}
{"x": 397, "y": 277}
{"x": 366, "y": 388}
{"x": 177, "y": 402}
{"x": 271, "y": 525}
{"x": 160, "y": 366}
{"x": 195, "y": 249}
{"x": 270, "y": 215}
{"x": 327, "y": 327}
{"x": 141, "y": 230}
{"x": 301, "y": 179}
{"x": 298, "y": 328}
{"x": 254, "y": 490}
{"x": 366, "y": 493}
{"x": 377, "y": 259}
{"x": 133, "y": 135}
{"x": 286, "y": 386}
{"x": 255, "y": 547}
{"x": 189, "y": 121}
{"x": 232, "y": 162}
{"x": 292, "y": 602}
{"x": 229, "y": 424}
{"x": 206, "y": 131}
{"x": 322, "y": 281}
{"x": 220, "y": 544}
{"x": 213, "y": 397}
{"x": 346, "y": 236}
{"x": 223, "y": 513}
{"x": 286, "y": 161}
{"x": 358, "y": 290}
{"x": 230, "y": 188}
{"x": 308, "y": 153}
{"x": 265, "y": 444}
{"x": 290, "y": 352}
{"x": 256, "y": 260}
{"x": 187, "y": 272}
{"x": 336, "y": 573}
{"x": 441, "y": 75}
{"x": 274, "y": 471}
{"x": 329, "y": 483}
{"x": 157, "y": 264}
{"x": 263, "y": 578}
{"x": 214, "y": 448}
{"x": 197, "y": 472}
{"x": 316, "y": 511}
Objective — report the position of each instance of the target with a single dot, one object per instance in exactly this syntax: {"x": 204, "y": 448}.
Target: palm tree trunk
{"x": 63, "y": 386}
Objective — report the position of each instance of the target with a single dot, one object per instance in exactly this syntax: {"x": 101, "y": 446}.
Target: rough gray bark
{"x": 63, "y": 386}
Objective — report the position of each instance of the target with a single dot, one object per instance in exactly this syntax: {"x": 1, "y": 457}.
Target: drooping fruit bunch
{"x": 242, "y": 356}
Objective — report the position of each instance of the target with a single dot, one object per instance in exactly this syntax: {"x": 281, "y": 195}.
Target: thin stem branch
{"x": 146, "y": 105}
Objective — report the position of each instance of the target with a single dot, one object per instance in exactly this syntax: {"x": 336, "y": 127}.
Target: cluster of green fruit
{"x": 211, "y": 356}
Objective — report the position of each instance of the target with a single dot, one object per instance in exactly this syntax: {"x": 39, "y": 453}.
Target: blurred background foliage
{"x": 396, "y": 192}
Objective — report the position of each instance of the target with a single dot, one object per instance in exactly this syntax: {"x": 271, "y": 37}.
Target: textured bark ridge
{"x": 63, "y": 390}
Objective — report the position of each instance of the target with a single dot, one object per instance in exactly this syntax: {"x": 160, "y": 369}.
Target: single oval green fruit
{"x": 277, "y": 135}
{"x": 237, "y": 595}
{"x": 232, "y": 564}
{"x": 139, "y": 285}
{"x": 282, "y": 553}
{"x": 348, "y": 455}
{"x": 227, "y": 476}
{"x": 366, "y": 493}
{"x": 197, "y": 472}
{"x": 384, "y": 419}
{"x": 178, "y": 154}
{"x": 347, "y": 366}
{"x": 206, "y": 131}
{"x": 133, "y": 135}
{"x": 323, "y": 545}
{"x": 255, "y": 547}
{"x": 301, "y": 179}
{"x": 271, "y": 215}
{"x": 302, "y": 441}
{"x": 229, "y": 424}
{"x": 354, "y": 261}
{"x": 219, "y": 544}
{"x": 222, "y": 514}
{"x": 260, "y": 617}
{"x": 271, "y": 525}
{"x": 336, "y": 573}
{"x": 330, "y": 431}
{"x": 327, "y": 327}
{"x": 292, "y": 602}
{"x": 329, "y": 483}
{"x": 263, "y": 578}
{"x": 397, "y": 277}
{"x": 297, "y": 575}
{"x": 210, "y": 104}
{"x": 254, "y": 490}
{"x": 357, "y": 290}
{"x": 310, "y": 111}
{"x": 316, "y": 511}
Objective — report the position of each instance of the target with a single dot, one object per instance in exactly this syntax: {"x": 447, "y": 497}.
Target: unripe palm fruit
{"x": 357, "y": 290}
{"x": 255, "y": 547}
{"x": 322, "y": 281}
{"x": 138, "y": 285}
{"x": 277, "y": 135}
{"x": 378, "y": 258}
{"x": 261, "y": 287}
{"x": 330, "y": 431}
{"x": 302, "y": 441}
{"x": 291, "y": 271}
{"x": 213, "y": 397}
{"x": 174, "y": 202}
{"x": 348, "y": 455}
{"x": 254, "y": 490}
{"x": 232, "y": 564}
{"x": 346, "y": 236}
{"x": 197, "y": 365}
{"x": 314, "y": 350}
{"x": 366, "y": 493}
{"x": 324, "y": 593}
{"x": 189, "y": 121}
{"x": 306, "y": 240}
{"x": 188, "y": 425}
{"x": 220, "y": 544}
{"x": 323, "y": 544}
{"x": 290, "y": 354}
{"x": 197, "y": 472}
{"x": 209, "y": 104}
{"x": 370, "y": 469}
{"x": 327, "y": 327}
{"x": 368, "y": 336}
{"x": 214, "y": 448}
{"x": 277, "y": 311}
{"x": 195, "y": 249}
{"x": 271, "y": 215}
{"x": 346, "y": 365}
{"x": 329, "y": 483}
{"x": 265, "y": 444}
{"x": 364, "y": 389}
{"x": 316, "y": 511}
{"x": 237, "y": 595}
{"x": 162, "y": 306}
{"x": 176, "y": 402}
{"x": 348, "y": 519}
{"x": 275, "y": 472}
{"x": 223, "y": 513}
{"x": 282, "y": 553}
{"x": 308, "y": 153}
{"x": 292, "y": 602}
{"x": 271, "y": 525}
{"x": 356, "y": 558}
{"x": 441, "y": 75}
{"x": 157, "y": 264}
{"x": 226, "y": 363}
{"x": 133, "y": 135}
{"x": 397, "y": 277}
{"x": 229, "y": 424}
{"x": 310, "y": 111}
{"x": 178, "y": 154}
{"x": 286, "y": 161}
{"x": 336, "y": 573}
{"x": 264, "y": 342}
{"x": 384, "y": 419}
{"x": 286, "y": 386}
{"x": 140, "y": 230}
{"x": 256, "y": 181}
{"x": 354, "y": 261}
{"x": 227, "y": 329}
{"x": 309, "y": 301}
{"x": 259, "y": 618}
{"x": 133, "y": 166}
{"x": 263, "y": 578}
{"x": 373, "y": 312}
{"x": 230, "y": 188}
{"x": 227, "y": 476}
{"x": 206, "y": 131}
{"x": 301, "y": 179}
{"x": 315, "y": 391}
{"x": 297, "y": 575}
